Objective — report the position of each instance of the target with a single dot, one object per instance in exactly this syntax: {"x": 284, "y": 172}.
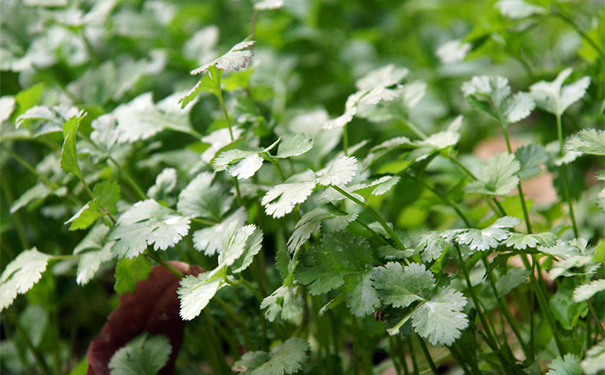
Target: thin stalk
{"x": 394, "y": 357}
{"x": 413, "y": 355}
{"x": 16, "y": 215}
{"x": 251, "y": 288}
{"x": 203, "y": 221}
{"x": 429, "y": 359}
{"x": 596, "y": 318}
{"x": 225, "y": 113}
{"x": 378, "y": 218}
{"x": 564, "y": 177}
{"x": 446, "y": 200}
{"x": 129, "y": 179}
{"x": 460, "y": 361}
{"x": 583, "y": 34}
{"x": 38, "y": 357}
{"x": 216, "y": 344}
{"x": 270, "y": 158}
{"x": 151, "y": 255}
{"x": 94, "y": 56}
{"x": 29, "y": 167}
{"x": 505, "y": 310}
{"x": 412, "y": 127}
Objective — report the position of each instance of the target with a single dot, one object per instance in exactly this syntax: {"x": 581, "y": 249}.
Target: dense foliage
{"x": 371, "y": 186}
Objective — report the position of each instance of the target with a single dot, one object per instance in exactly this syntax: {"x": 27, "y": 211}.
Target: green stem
{"x": 225, "y": 113}
{"x": 582, "y": 33}
{"x": 564, "y": 177}
{"x": 38, "y": 357}
{"x": 429, "y": 359}
{"x": 151, "y": 255}
{"x": 446, "y": 200}
{"x": 378, "y": 218}
{"x": 203, "y": 221}
{"x": 129, "y": 179}
{"x": 270, "y": 158}
{"x": 16, "y": 215}
{"x": 595, "y": 316}
{"x": 413, "y": 355}
{"x": 412, "y": 127}
{"x": 251, "y": 288}
{"x": 28, "y": 166}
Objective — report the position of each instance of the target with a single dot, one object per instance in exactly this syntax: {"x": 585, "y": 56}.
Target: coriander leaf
{"x": 250, "y": 361}
{"x": 294, "y": 145}
{"x": 441, "y": 319}
{"x": 209, "y": 240}
{"x": 586, "y": 291}
{"x": 498, "y": 176}
{"x": 144, "y": 355}
{"x": 203, "y": 198}
{"x": 165, "y": 183}
{"x": 129, "y": 271}
{"x": 208, "y": 83}
{"x": 516, "y": 9}
{"x": 86, "y": 216}
{"x": 147, "y": 223}
{"x": 339, "y": 171}
{"x": 269, "y": 4}
{"x": 337, "y": 257}
{"x": 490, "y": 237}
{"x": 42, "y": 120}
{"x": 435, "y": 142}
{"x": 108, "y": 192}
{"x": 522, "y": 241}
{"x": 236, "y": 58}
{"x": 287, "y": 358}
{"x": 69, "y": 157}
{"x": 104, "y": 133}
{"x": 530, "y": 158}
{"x": 453, "y": 51}
{"x": 251, "y": 247}
{"x": 569, "y": 365}
{"x": 141, "y": 119}
{"x": 37, "y": 192}
{"x": 238, "y": 163}
{"x": 217, "y": 140}
{"x": 21, "y": 274}
{"x": 362, "y": 298}
{"x": 93, "y": 250}
{"x": 588, "y": 141}
{"x": 7, "y": 106}
{"x": 401, "y": 287}
{"x": 196, "y": 292}
{"x": 431, "y": 245}
{"x": 555, "y": 98}
{"x": 386, "y": 76}
{"x": 513, "y": 278}
{"x": 284, "y": 302}
{"x": 281, "y": 199}
{"x": 594, "y": 361}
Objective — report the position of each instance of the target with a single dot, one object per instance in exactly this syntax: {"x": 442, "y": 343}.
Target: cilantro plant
{"x": 370, "y": 188}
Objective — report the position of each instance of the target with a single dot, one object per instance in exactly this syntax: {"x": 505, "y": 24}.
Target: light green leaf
{"x": 586, "y": 291}
{"x": 69, "y": 157}
{"x": 143, "y": 355}
{"x": 453, "y": 51}
{"x": 594, "y": 361}
{"x": 209, "y": 240}
{"x": 294, "y": 145}
{"x": 431, "y": 246}
{"x": 362, "y": 298}
{"x": 129, "y": 271}
{"x": 86, "y": 216}
{"x": 238, "y": 163}
{"x": 530, "y": 158}
{"x": 441, "y": 319}
{"x": 516, "y": 9}
{"x": 338, "y": 257}
{"x": 165, "y": 183}
{"x": 40, "y": 120}
{"x": 513, "y": 278}
{"x": 498, "y": 176}
{"x": 238, "y": 241}
{"x": 281, "y": 199}
{"x": 287, "y": 358}
{"x": 196, "y": 292}
{"x": 7, "y": 106}
{"x": 386, "y": 76}
{"x": 147, "y": 223}
{"x": 238, "y": 57}
{"x": 108, "y": 192}
{"x": 209, "y": 82}
{"x": 339, "y": 171}
{"x": 94, "y": 249}
{"x": 588, "y": 141}
{"x": 284, "y": 302}
{"x": 269, "y": 4}
{"x": 203, "y": 198}
{"x": 522, "y": 241}
{"x": 569, "y": 365}
{"x": 251, "y": 248}
{"x": 401, "y": 287}
{"x": 21, "y": 274}
{"x": 555, "y": 98}
{"x": 490, "y": 237}
{"x": 37, "y": 192}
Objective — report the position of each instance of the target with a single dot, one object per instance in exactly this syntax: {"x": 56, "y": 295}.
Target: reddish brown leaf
{"x": 153, "y": 307}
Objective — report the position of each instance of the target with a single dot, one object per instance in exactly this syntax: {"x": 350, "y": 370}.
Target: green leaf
{"x": 209, "y": 240}
{"x": 339, "y": 171}
{"x": 555, "y": 98}
{"x": 147, "y": 223}
{"x": 242, "y": 164}
{"x": 588, "y": 141}
{"x": 594, "y": 361}
{"x": 196, "y": 292}
{"x": 498, "y": 176}
{"x": 441, "y": 319}
{"x": 569, "y": 365}
{"x": 490, "y": 237}
{"x": 238, "y": 57}
{"x": 491, "y": 95}
{"x": 208, "y": 83}
{"x": 252, "y": 246}
{"x": 284, "y": 302}
{"x": 93, "y": 250}
{"x": 250, "y": 361}
{"x": 37, "y": 192}
{"x": 7, "y": 106}
{"x": 339, "y": 256}
{"x": 522, "y": 241}
{"x": 513, "y": 278}
{"x": 587, "y": 291}
{"x": 401, "y": 287}
{"x": 143, "y": 355}
{"x": 141, "y": 119}
{"x": 287, "y": 358}
{"x": 69, "y": 157}
{"x": 239, "y": 242}
{"x": 516, "y": 9}
{"x": 40, "y": 120}
{"x": 86, "y": 216}
{"x": 21, "y": 274}
{"x": 362, "y": 298}
{"x": 165, "y": 183}
{"x": 294, "y": 145}
{"x": 281, "y": 199}
{"x": 129, "y": 271}
{"x": 203, "y": 198}
{"x": 530, "y": 158}
{"x": 431, "y": 245}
